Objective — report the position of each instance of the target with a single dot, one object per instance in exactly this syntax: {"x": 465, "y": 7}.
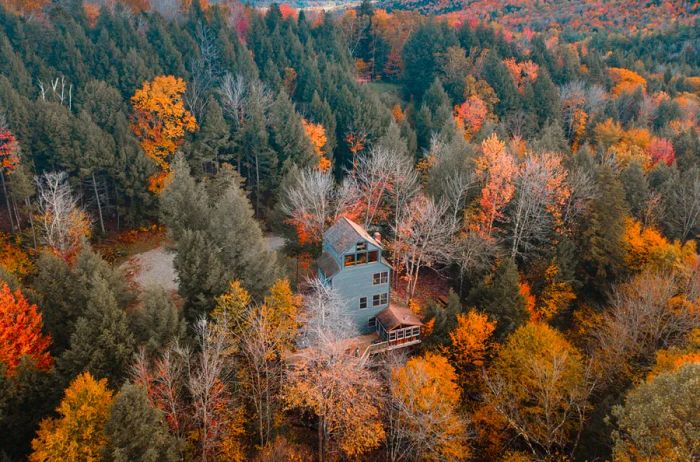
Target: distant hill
{"x": 584, "y": 15}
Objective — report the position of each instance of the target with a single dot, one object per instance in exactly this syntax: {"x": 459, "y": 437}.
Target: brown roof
{"x": 328, "y": 264}
{"x": 345, "y": 233}
{"x": 397, "y": 316}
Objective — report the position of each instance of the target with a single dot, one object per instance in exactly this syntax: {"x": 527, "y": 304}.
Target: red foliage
{"x": 661, "y": 150}
{"x": 20, "y": 332}
{"x": 470, "y": 116}
{"x": 288, "y": 11}
{"x": 9, "y": 150}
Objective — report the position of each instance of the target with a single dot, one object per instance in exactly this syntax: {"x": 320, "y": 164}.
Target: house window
{"x": 363, "y": 302}
{"x": 349, "y": 260}
{"x": 372, "y": 322}
{"x": 380, "y": 278}
{"x": 361, "y": 246}
{"x": 372, "y": 256}
{"x": 380, "y": 299}
{"x": 361, "y": 258}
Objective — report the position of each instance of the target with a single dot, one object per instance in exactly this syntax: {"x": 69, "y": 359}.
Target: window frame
{"x": 363, "y": 299}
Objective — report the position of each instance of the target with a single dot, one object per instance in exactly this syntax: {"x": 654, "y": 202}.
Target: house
{"x": 352, "y": 264}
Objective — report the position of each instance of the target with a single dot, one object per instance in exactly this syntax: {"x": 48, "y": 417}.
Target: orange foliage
{"x": 398, "y": 114}
{"x": 470, "y": 342}
{"x": 673, "y": 358}
{"x": 497, "y": 168}
{"x": 288, "y": 11}
{"x": 92, "y": 12}
{"x": 522, "y": 72}
{"x": 160, "y": 121}
{"x": 317, "y": 135}
{"x": 470, "y": 115}
{"x": 137, "y": 6}
{"x": 12, "y": 258}
{"x": 646, "y": 248}
{"x": 626, "y": 80}
{"x": 20, "y": 332}
{"x": 579, "y": 128}
{"x": 526, "y": 293}
{"x": 24, "y": 6}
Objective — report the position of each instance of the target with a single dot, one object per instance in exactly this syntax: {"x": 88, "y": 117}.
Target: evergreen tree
{"x": 498, "y": 77}
{"x": 288, "y": 137}
{"x": 601, "y": 233}
{"x": 158, "y": 322}
{"x": 545, "y": 99}
{"x": 136, "y": 431}
{"x": 212, "y": 142}
{"x": 102, "y": 342}
{"x": 499, "y": 296}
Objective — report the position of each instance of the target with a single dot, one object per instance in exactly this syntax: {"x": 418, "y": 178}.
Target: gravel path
{"x": 152, "y": 268}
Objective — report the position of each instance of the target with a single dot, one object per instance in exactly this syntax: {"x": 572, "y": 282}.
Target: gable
{"x": 345, "y": 234}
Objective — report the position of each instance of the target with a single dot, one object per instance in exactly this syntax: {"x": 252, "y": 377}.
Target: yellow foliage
{"x": 470, "y": 340}
{"x": 78, "y": 433}
{"x": 426, "y": 386}
{"x": 626, "y": 80}
{"x": 282, "y": 308}
{"x": 556, "y": 296}
{"x": 673, "y": 358}
{"x": 160, "y": 121}
{"x": 648, "y": 249}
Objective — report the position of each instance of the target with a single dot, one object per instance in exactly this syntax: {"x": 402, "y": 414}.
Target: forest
{"x": 534, "y": 178}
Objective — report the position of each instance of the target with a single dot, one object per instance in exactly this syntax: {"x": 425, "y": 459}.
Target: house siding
{"x": 355, "y": 282}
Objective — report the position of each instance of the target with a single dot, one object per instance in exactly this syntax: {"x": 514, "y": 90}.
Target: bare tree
{"x": 190, "y": 385}
{"x": 583, "y": 190}
{"x": 325, "y": 319}
{"x": 652, "y": 311}
{"x": 312, "y": 202}
{"x": 682, "y": 201}
{"x": 63, "y": 224}
{"x": 424, "y": 237}
{"x": 540, "y": 191}
{"x": 205, "y": 71}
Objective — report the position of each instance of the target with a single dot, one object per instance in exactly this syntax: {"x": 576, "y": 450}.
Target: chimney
{"x": 378, "y": 237}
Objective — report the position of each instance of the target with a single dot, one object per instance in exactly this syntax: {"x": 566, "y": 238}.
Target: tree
{"x": 541, "y": 192}
{"x": 61, "y": 221}
{"x": 79, "y": 431}
{"x": 102, "y": 342}
{"x": 424, "y": 419}
{"x": 21, "y": 332}
{"x": 160, "y": 121}
{"x": 625, "y": 80}
{"x": 334, "y": 387}
{"x": 470, "y": 116}
{"x": 538, "y": 383}
{"x": 660, "y": 418}
{"x": 191, "y": 387}
{"x": 9, "y": 160}
{"x": 681, "y": 200}
{"x": 136, "y": 431}
{"x": 496, "y": 168}
{"x": 651, "y": 311}
{"x": 158, "y": 322}
{"x": 423, "y": 238}
{"x": 317, "y": 136}
{"x": 470, "y": 342}
{"x": 499, "y": 295}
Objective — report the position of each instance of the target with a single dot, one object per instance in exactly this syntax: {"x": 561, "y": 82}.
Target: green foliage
{"x": 660, "y": 419}
{"x": 157, "y": 323}
{"x": 136, "y": 431}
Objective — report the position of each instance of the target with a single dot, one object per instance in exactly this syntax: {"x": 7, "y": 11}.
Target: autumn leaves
{"x": 161, "y": 121}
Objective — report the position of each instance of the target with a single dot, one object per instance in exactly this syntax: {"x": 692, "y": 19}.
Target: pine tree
{"x": 545, "y": 99}
{"x": 136, "y": 431}
{"x": 102, "y": 342}
{"x": 158, "y": 322}
{"x": 288, "y": 138}
{"x": 601, "y": 237}
{"x": 499, "y": 296}
{"x": 212, "y": 143}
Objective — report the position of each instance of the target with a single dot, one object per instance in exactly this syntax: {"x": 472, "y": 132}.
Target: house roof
{"x": 346, "y": 233}
{"x": 397, "y": 316}
{"x": 328, "y": 264}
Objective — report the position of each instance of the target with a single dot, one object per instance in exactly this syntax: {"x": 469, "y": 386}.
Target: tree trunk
{"x": 31, "y": 221}
{"x": 99, "y": 206}
{"x": 7, "y": 201}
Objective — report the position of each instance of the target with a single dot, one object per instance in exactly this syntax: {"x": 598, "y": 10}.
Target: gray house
{"x": 352, "y": 263}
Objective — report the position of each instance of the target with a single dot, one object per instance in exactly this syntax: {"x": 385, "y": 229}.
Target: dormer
{"x": 346, "y": 244}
